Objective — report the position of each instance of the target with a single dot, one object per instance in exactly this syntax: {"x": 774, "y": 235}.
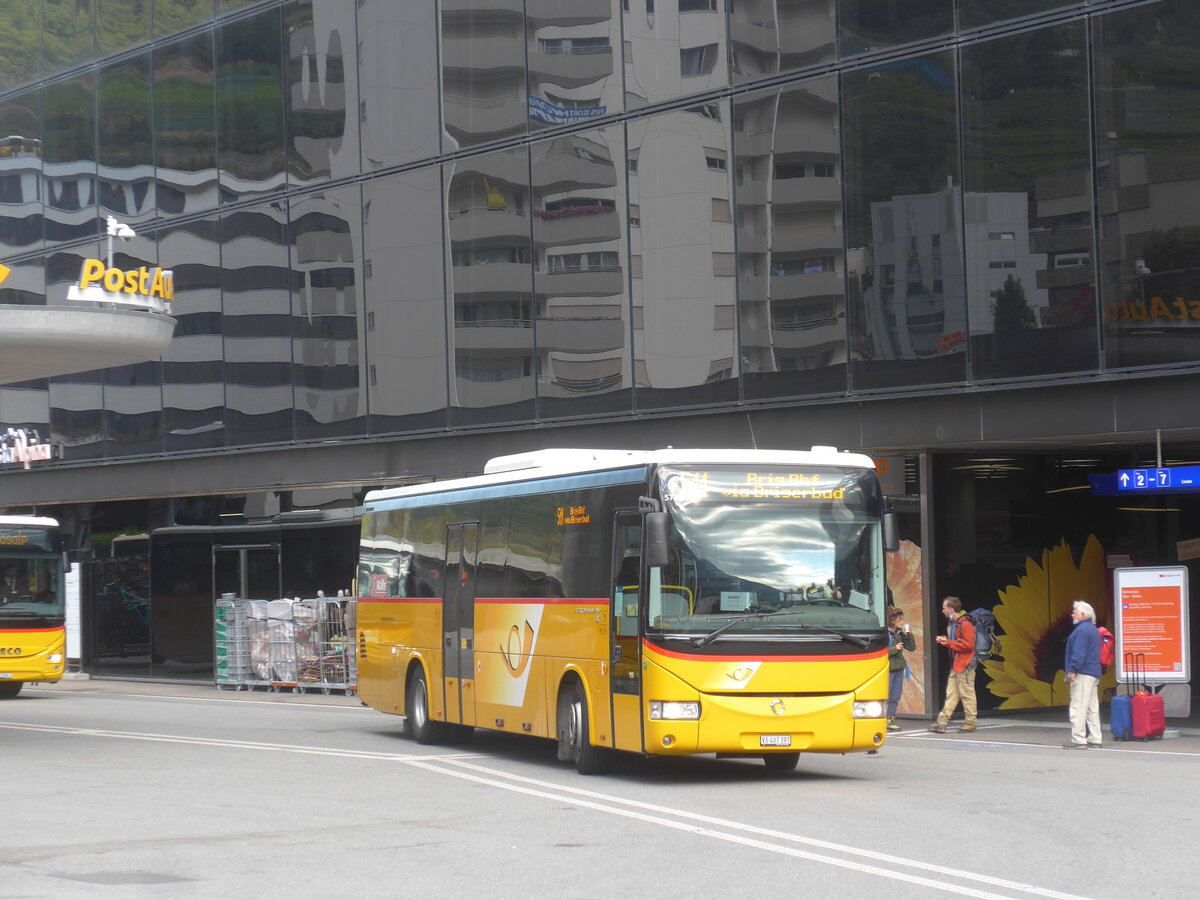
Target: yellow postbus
{"x": 664, "y": 602}
{"x": 33, "y": 638}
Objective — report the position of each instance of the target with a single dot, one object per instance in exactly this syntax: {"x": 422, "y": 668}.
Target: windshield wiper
{"x": 704, "y": 639}
{"x": 845, "y": 636}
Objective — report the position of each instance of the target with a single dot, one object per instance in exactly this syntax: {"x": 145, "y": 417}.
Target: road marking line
{"x": 248, "y": 695}
{"x": 456, "y": 766}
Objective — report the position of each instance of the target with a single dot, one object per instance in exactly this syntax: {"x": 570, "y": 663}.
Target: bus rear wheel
{"x": 420, "y": 726}
{"x": 573, "y": 743}
{"x": 9, "y": 689}
{"x": 781, "y": 762}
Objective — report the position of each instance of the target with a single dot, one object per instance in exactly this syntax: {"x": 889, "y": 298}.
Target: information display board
{"x": 1151, "y": 606}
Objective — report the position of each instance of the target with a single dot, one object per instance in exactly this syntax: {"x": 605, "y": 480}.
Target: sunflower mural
{"x": 1034, "y": 619}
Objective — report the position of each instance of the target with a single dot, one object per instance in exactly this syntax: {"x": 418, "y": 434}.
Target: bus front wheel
{"x": 781, "y": 762}
{"x": 423, "y": 728}
{"x": 9, "y": 689}
{"x": 573, "y": 743}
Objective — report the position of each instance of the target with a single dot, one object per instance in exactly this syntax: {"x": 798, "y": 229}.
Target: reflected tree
{"x": 1012, "y": 311}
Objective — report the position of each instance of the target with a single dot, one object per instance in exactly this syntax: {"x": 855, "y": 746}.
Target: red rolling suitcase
{"x": 1148, "y": 711}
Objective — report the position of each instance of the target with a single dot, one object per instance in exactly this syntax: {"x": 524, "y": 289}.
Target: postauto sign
{"x": 145, "y": 287}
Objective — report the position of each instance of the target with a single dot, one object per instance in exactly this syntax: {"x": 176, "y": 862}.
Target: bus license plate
{"x": 775, "y": 740}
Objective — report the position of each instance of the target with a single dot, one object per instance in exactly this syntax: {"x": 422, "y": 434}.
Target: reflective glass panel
{"x": 25, "y": 285}
{"x": 491, "y": 284}
{"x": 27, "y": 405}
{"x": 876, "y": 24}
{"x": 975, "y": 13}
{"x": 681, "y": 257}
{"x": 771, "y": 36}
{"x": 117, "y": 634}
{"x": 581, "y": 280}
{"x": 574, "y": 51}
{"x": 255, "y": 281}
{"x": 1148, "y": 136}
{"x": 405, "y": 302}
{"x": 19, "y": 45}
{"x": 193, "y": 389}
{"x": 672, "y": 51}
{"x": 250, "y": 134}
{"x": 905, "y": 285}
{"x": 327, "y": 326}
{"x": 185, "y": 130}
{"x": 398, "y": 82}
{"x": 1027, "y": 207}
{"x": 21, "y": 172}
{"x": 126, "y": 140}
{"x": 171, "y": 16}
{"x": 133, "y": 393}
{"x": 67, "y": 37}
{"x": 69, "y": 158}
{"x": 483, "y": 71}
{"x": 322, "y": 97}
{"x": 121, "y": 24}
{"x": 76, "y": 400}
{"x": 791, "y": 263}
{"x": 224, "y": 6}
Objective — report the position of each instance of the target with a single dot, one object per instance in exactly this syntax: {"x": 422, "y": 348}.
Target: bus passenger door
{"x": 626, "y": 679}
{"x": 458, "y": 624}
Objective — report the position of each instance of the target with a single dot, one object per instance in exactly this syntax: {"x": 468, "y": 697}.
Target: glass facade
{"x": 400, "y": 218}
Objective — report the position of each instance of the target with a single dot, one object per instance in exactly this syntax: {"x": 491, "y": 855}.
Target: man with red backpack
{"x": 1082, "y": 666}
{"x": 959, "y": 639}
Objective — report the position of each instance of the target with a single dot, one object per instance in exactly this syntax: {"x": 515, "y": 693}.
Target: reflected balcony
{"x": 825, "y": 191}
{"x": 582, "y": 334}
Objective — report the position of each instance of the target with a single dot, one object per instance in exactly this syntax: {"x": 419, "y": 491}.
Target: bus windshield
{"x": 30, "y": 577}
{"x": 785, "y": 552}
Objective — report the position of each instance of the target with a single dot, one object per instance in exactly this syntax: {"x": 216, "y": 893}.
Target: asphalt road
{"x": 131, "y": 791}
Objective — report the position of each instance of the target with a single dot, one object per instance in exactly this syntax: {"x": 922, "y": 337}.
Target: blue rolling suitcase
{"x": 1121, "y": 712}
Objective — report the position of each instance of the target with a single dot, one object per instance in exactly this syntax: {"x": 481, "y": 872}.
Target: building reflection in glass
{"x": 580, "y": 235}
{"x": 682, "y": 257}
{"x": 572, "y": 48}
{"x": 1026, "y": 143}
{"x": 483, "y": 71}
{"x": 126, "y": 140}
{"x": 256, "y": 332}
{"x": 405, "y": 302}
{"x": 69, "y": 158}
{"x": 185, "y": 132}
{"x": 133, "y": 393}
{"x": 773, "y": 36}
{"x": 903, "y": 223}
{"x": 77, "y": 400}
{"x": 21, "y": 172}
{"x": 249, "y": 86}
{"x": 491, "y": 288}
{"x": 328, "y": 353}
{"x": 322, "y": 97}
{"x": 791, "y": 269}
{"x": 672, "y": 53}
{"x": 193, "y": 376}
{"x": 398, "y": 82}
{"x": 1147, "y": 131}
{"x": 875, "y": 24}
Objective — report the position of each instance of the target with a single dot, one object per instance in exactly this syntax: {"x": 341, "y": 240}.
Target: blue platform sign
{"x": 1174, "y": 478}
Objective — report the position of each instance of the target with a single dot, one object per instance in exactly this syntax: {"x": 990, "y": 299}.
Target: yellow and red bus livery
{"x": 33, "y": 641}
{"x": 668, "y": 602}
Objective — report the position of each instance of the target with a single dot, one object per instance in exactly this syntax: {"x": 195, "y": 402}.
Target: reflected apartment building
{"x": 406, "y": 237}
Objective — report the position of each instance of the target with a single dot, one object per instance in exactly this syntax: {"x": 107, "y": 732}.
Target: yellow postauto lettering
{"x": 156, "y": 282}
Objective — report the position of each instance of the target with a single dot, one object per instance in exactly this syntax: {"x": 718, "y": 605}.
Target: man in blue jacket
{"x": 1083, "y": 675}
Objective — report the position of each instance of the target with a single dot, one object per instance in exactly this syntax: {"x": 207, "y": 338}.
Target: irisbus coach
{"x": 667, "y": 602}
{"x": 33, "y": 640}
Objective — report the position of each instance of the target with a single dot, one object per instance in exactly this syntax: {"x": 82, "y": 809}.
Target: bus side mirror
{"x": 656, "y": 530}
{"x": 891, "y": 533}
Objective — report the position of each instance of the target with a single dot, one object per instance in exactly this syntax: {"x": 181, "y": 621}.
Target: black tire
{"x": 10, "y": 689}
{"x": 416, "y": 708}
{"x": 573, "y": 743}
{"x": 781, "y": 762}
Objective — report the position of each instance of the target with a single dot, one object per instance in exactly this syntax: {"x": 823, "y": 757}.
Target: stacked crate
{"x": 232, "y": 642}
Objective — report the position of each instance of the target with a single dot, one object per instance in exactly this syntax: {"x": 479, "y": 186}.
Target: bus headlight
{"x": 675, "y": 709}
{"x": 867, "y": 709}
{"x": 55, "y": 657}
